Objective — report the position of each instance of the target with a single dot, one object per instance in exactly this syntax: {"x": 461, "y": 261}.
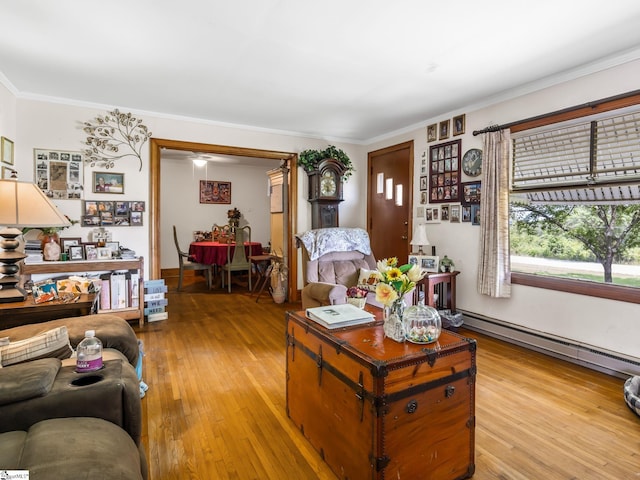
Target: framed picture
{"x": 432, "y": 132}
{"x": 458, "y": 125}
{"x": 90, "y": 220}
{"x": 65, "y": 243}
{"x": 108, "y": 182}
{"x": 6, "y": 149}
{"x": 475, "y": 214}
{"x": 444, "y": 213}
{"x": 423, "y": 183}
{"x": 59, "y": 173}
{"x": 454, "y": 213}
{"x": 103, "y": 253}
{"x": 137, "y": 207}
{"x": 212, "y": 191}
{"x": 444, "y": 172}
{"x": 466, "y": 213}
{"x": 471, "y": 193}
{"x": 136, "y": 219}
{"x": 444, "y": 129}
{"x": 430, "y": 263}
{"x": 423, "y": 164}
{"x": 415, "y": 259}
{"x": 423, "y": 198}
{"x": 90, "y": 251}
{"x": 76, "y": 252}
{"x": 113, "y": 246}
{"x": 432, "y": 215}
{"x": 420, "y": 213}
{"x": 9, "y": 173}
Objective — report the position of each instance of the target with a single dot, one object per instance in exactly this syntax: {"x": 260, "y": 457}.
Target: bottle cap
{"x": 90, "y": 333}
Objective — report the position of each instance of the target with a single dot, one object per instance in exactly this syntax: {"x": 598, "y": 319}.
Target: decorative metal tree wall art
{"x": 114, "y": 136}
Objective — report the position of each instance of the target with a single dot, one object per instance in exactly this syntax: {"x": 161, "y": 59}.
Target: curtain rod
{"x": 595, "y": 104}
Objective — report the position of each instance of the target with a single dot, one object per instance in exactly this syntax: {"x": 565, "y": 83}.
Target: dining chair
{"x": 186, "y": 263}
{"x": 238, "y": 262}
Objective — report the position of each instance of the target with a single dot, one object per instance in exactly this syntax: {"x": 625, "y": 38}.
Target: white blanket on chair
{"x": 327, "y": 240}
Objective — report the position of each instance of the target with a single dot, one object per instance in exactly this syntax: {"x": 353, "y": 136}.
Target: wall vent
{"x": 611, "y": 363}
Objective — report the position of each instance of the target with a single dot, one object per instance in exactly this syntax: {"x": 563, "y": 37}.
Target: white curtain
{"x": 494, "y": 275}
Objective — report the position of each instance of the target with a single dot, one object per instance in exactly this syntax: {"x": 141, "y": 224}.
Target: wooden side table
{"x": 445, "y": 283}
{"x": 21, "y": 313}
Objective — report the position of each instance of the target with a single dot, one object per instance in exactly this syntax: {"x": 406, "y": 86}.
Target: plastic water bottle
{"x": 89, "y": 354}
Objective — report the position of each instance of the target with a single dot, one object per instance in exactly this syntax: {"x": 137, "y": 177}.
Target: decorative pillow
{"x": 53, "y": 343}
{"x": 368, "y": 279}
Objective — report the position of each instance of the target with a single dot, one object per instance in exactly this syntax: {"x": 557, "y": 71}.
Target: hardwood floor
{"x": 215, "y": 408}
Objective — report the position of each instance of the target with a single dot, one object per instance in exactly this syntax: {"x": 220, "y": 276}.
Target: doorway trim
{"x": 155, "y": 147}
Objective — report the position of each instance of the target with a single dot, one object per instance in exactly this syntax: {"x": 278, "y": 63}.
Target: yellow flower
{"x": 386, "y": 294}
{"x": 394, "y": 274}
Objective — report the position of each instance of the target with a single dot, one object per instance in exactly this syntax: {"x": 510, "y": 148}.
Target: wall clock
{"x": 472, "y": 162}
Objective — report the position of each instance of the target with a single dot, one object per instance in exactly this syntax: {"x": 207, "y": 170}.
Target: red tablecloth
{"x": 215, "y": 253}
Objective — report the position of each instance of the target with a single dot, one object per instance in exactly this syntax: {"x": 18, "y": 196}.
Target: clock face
{"x": 472, "y": 162}
{"x": 328, "y": 185}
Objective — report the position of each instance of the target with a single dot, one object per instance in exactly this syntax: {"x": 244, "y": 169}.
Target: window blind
{"x": 574, "y": 163}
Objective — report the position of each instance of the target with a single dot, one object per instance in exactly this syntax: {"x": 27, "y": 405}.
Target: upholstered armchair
{"x": 332, "y": 259}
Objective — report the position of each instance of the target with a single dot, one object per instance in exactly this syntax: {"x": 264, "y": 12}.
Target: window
{"x": 575, "y": 211}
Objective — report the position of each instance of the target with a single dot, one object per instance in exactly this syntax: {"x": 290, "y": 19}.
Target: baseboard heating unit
{"x": 612, "y": 363}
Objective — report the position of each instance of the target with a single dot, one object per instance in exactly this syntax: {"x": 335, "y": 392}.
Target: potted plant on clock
{"x": 310, "y": 159}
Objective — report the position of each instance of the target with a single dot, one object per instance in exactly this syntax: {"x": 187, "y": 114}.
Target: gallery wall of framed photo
{"x": 443, "y": 196}
{"x": 101, "y": 213}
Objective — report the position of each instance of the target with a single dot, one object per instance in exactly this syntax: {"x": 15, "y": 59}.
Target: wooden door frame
{"x": 157, "y": 144}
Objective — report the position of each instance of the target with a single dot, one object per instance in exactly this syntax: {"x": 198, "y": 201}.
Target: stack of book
{"x": 338, "y": 316}
{"x": 33, "y": 251}
{"x": 119, "y": 290}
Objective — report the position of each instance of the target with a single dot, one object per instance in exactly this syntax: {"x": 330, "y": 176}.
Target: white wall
{"x": 180, "y": 203}
{"x": 41, "y": 124}
{"x": 599, "y": 322}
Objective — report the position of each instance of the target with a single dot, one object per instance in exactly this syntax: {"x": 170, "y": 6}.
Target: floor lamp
{"x": 22, "y": 204}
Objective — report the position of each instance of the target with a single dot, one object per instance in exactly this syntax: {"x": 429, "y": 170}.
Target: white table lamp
{"x": 420, "y": 237}
{"x": 23, "y": 205}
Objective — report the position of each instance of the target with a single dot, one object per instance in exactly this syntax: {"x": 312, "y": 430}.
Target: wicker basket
{"x": 358, "y": 302}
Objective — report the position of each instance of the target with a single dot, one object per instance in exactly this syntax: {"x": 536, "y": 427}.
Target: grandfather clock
{"x": 325, "y": 193}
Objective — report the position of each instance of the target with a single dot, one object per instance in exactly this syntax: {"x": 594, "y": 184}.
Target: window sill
{"x": 579, "y": 287}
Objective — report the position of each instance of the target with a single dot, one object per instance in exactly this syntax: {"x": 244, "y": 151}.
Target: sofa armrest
{"x": 317, "y": 294}
{"x": 113, "y": 332}
{"x": 27, "y": 380}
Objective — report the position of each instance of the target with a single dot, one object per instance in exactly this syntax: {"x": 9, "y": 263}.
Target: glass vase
{"x": 50, "y": 247}
{"x": 422, "y": 324}
{"x": 393, "y": 326}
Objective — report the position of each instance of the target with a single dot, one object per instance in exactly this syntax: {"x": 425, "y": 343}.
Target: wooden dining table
{"x": 215, "y": 253}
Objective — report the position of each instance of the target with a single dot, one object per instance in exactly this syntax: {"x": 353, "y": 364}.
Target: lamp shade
{"x": 22, "y": 204}
{"x": 420, "y": 235}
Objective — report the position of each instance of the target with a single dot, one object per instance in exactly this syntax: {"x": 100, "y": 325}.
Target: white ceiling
{"x": 335, "y": 69}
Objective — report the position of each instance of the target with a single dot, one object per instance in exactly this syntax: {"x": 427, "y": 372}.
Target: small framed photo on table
{"x": 113, "y": 246}
{"x": 90, "y": 251}
{"x": 65, "y": 243}
{"x": 430, "y": 263}
{"x": 104, "y": 253}
{"x": 76, "y": 252}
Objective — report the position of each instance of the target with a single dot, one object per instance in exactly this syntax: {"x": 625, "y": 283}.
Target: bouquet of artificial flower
{"x": 234, "y": 214}
{"x": 396, "y": 281}
{"x": 356, "y": 292}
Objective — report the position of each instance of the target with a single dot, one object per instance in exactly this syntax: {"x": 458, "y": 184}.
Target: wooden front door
{"x": 389, "y": 220}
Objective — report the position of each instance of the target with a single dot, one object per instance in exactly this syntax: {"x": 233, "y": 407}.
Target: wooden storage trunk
{"x": 378, "y": 409}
